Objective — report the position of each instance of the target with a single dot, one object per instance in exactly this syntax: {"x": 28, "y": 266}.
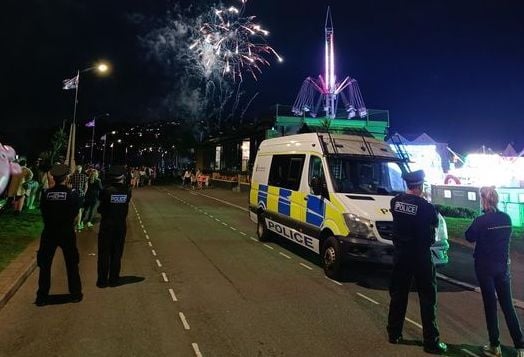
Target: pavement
{"x": 16, "y": 273}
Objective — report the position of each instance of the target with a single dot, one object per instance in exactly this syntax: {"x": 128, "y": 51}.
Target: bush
{"x": 457, "y": 212}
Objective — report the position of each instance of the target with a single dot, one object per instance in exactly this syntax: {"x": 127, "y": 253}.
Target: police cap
{"x": 116, "y": 172}
{"x": 59, "y": 171}
{"x": 414, "y": 178}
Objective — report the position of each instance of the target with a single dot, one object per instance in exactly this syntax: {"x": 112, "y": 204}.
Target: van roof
{"x": 324, "y": 143}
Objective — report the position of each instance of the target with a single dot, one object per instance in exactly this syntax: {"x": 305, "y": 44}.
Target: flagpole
{"x": 93, "y": 139}
{"x": 72, "y": 161}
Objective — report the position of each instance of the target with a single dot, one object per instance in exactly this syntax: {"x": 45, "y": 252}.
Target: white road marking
{"x": 158, "y": 263}
{"x": 142, "y": 226}
{"x": 145, "y": 232}
{"x": 147, "y": 237}
{"x": 243, "y": 233}
{"x": 184, "y": 321}
{"x": 197, "y": 350}
{"x": 414, "y": 323}
{"x": 334, "y": 281}
{"x": 154, "y": 252}
{"x": 253, "y": 239}
{"x": 268, "y": 246}
{"x": 224, "y": 223}
{"x": 211, "y": 216}
{"x": 207, "y": 214}
{"x": 225, "y": 202}
{"x": 164, "y": 276}
{"x": 468, "y": 352}
{"x": 173, "y": 296}
{"x": 216, "y": 219}
{"x": 149, "y": 243}
{"x": 233, "y": 228}
{"x": 368, "y": 298}
{"x": 306, "y": 266}
{"x": 284, "y": 255}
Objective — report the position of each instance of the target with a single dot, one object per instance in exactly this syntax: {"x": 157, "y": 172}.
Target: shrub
{"x": 458, "y": 212}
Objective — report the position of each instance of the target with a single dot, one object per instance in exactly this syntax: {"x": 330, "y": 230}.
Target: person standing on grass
{"x": 78, "y": 183}
{"x": 491, "y": 233}
{"x": 59, "y": 206}
{"x": 94, "y": 186}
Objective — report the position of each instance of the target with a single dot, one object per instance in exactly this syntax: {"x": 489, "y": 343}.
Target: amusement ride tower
{"x": 326, "y": 89}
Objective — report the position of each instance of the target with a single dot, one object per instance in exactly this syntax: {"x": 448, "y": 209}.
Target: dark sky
{"x": 453, "y": 69}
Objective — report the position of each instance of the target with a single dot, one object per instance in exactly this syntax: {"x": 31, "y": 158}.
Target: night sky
{"x": 452, "y": 69}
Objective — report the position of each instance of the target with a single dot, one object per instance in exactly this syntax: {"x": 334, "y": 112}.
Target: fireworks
{"x": 230, "y": 43}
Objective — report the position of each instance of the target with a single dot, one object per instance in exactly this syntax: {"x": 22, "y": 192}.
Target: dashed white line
{"x": 334, "y": 281}
{"x": 154, "y": 252}
{"x": 158, "y": 263}
{"x": 164, "y": 276}
{"x": 368, "y": 298}
{"x": 224, "y": 223}
{"x": 243, "y": 233}
{"x": 173, "y": 296}
{"x": 233, "y": 228}
{"x": 184, "y": 321}
{"x": 147, "y": 237}
{"x": 149, "y": 243}
{"x": 142, "y": 226}
{"x": 414, "y": 323}
{"x": 216, "y": 219}
{"x": 253, "y": 239}
{"x": 145, "y": 232}
{"x": 211, "y": 216}
{"x": 268, "y": 246}
{"x": 197, "y": 350}
{"x": 306, "y": 266}
{"x": 284, "y": 255}
{"x": 468, "y": 352}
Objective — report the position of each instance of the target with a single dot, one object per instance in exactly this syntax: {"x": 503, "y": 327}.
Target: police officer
{"x": 414, "y": 224}
{"x": 59, "y": 206}
{"x": 114, "y": 204}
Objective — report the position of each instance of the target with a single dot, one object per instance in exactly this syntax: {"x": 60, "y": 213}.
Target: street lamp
{"x": 74, "y": 83}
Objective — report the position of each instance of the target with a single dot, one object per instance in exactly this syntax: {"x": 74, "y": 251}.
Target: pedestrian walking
{"x": 59, "y": 206}
{"x": 78, "y": 182}
{"x": 414, "y": 224}
{"x": 114, "y": 204}
{"x": 186, "y": 179}
{"x": 491, "y": 233}
{"x": 94, "y": 186}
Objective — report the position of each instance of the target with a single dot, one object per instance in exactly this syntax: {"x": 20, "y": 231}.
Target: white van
{"x": 331, "y": 194}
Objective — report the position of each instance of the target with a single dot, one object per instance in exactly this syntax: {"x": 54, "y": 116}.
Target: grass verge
{"x": 16, "y": 232}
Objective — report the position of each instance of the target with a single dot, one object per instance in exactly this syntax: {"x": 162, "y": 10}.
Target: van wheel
{"x": 332, "y": 258}
{"x": 262, "y": 231}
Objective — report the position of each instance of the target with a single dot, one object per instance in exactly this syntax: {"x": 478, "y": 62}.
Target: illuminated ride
{"x": 326, "y": 89}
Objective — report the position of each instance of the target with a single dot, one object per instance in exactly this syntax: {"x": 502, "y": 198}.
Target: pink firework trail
{"x": 232, "y": 43}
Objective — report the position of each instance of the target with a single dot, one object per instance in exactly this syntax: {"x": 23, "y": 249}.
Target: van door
{"x": 315, "y": 202}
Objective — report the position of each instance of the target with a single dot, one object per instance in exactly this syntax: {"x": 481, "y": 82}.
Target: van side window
{"x": 286, "y": 171}
{"x": 315, "y": 168}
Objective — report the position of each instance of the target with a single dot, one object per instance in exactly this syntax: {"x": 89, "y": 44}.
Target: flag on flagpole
{"x": 103, "y": 137}
{"x": 90, "y": 124}
{"x": 70, "y": 83}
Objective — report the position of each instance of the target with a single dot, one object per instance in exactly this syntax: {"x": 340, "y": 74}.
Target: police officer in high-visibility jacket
{"x": 59, "y": 206}
{"x": 114, "y": 204}
{"x": 414, "y": 226}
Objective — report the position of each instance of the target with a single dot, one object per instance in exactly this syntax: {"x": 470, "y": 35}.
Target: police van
{"x": 331, "y": 194}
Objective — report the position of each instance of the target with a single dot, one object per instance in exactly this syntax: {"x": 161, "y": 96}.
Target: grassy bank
{"x": 16, "y": 232}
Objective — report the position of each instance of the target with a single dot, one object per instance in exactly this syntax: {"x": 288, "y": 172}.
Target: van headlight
{"x": 359, "y": 227}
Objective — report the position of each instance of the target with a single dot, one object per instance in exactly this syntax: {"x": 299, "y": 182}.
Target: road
{"x": 197, "y": 282}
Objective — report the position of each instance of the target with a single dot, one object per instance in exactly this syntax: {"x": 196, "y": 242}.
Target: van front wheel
{"x": 332, "y": 258}
{"x": 262, "y": 231}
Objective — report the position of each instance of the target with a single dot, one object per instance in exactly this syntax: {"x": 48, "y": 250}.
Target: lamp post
{"x": 74, "y": 83}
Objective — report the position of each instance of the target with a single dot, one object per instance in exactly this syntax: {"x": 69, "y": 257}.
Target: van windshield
{"x": 366, "y": 176}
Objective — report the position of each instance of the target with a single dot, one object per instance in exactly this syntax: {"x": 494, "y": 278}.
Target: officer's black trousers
{"x": 110, "y": 249}
{"x": 48, "y": 244}
{"x": 409, "y": 265}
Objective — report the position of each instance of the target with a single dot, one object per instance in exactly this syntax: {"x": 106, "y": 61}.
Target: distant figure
{"x": 114, "y": 205}
{"x": 414, "y": 224}
{"x": 186, "y": 179}
{"x": 59, "y": 206}
{"x": 78, "y": 183}
{"x": 491, "y": 233}
{"x": 94, "y": 186}
{"x": 18, "y": 187}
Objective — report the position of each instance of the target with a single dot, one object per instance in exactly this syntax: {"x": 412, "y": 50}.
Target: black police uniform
{"x": 414, "y": 223}
{"x": 59, "y": 206}
{"x": 114, "y": 204}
